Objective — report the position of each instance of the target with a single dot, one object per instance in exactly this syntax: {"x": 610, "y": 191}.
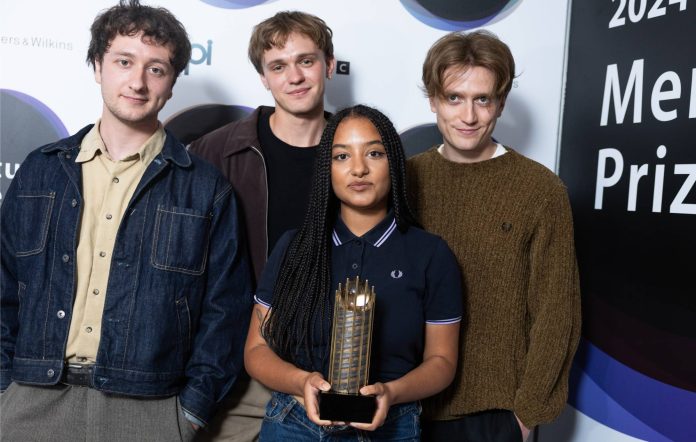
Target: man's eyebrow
{"x": 298, "y": 56}
{"x": 132, "y": 55}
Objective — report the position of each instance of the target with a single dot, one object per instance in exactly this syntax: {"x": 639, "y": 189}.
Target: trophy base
{"x": 339, "y": 407}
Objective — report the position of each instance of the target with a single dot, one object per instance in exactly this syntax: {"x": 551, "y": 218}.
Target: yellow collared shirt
{"x": 107, "y": 188}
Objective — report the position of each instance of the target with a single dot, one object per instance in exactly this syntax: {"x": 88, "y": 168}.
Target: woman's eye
{"x": 340, "y": 157}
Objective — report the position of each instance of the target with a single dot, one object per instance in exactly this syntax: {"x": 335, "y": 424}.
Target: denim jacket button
{"x": 73, "y": 202}
{"x": 50, "y": 373}
{"x": 60, "y": 314}
{"x": 66, "y": 258}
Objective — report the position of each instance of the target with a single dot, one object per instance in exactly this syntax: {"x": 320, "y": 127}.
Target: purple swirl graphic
{"x": 628, "y": 401}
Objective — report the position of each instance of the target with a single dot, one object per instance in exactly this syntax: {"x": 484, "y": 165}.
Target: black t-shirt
{"x": 289, "y": 170}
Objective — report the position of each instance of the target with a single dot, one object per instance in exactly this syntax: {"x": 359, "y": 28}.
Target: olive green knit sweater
{"x": 508, "y": 221}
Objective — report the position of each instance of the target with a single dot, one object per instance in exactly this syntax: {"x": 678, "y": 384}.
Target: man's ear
{"x": 264, "y": 81}
{"x": 433, "y": 109}
{"x": 330, "y": 67}
{"x": 97, "y": 72}
{"x": 501, "y": 106}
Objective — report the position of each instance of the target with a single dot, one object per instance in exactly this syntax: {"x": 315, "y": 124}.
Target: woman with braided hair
{"x": 358, "y": 223}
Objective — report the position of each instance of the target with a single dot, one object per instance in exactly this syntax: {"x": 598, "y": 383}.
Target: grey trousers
{"x": 241, "y": 415}
{"x": 70, "y": 413}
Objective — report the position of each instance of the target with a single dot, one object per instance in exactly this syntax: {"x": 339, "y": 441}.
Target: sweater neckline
{"x": 509, "y": 156}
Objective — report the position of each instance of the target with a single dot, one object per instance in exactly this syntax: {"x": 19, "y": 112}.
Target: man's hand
{"x": 525, "y": 430}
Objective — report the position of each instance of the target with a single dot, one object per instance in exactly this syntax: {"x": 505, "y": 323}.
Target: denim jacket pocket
{"x": 180, "y": 241}
{"x": 34, "y": 216}
{"x": 183, "y": 315}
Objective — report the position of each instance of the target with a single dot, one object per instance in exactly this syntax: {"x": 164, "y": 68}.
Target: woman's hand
{"x": 314, "y": 383}
{"x": 384, "y": 401}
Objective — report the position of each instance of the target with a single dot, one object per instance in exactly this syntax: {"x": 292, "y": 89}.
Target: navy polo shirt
{"x": 416, "y": 280}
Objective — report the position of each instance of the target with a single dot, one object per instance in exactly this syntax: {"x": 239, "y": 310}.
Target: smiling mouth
{"x": 135, "y": 99}
{"x": 299, "y": 92}
{"x": 466, "y": 131}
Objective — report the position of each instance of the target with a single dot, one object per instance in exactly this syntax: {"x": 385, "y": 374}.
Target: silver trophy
{"x": 349, "y": 365}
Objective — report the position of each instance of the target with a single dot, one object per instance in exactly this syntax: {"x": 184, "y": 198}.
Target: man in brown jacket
{"x": 269, "y": 158}
{"x": 508, "y": 221}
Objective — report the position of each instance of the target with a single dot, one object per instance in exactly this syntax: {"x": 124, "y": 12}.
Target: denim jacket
{"x": 179, "y": 291}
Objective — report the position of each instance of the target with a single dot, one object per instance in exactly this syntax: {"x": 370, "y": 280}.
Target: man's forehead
{"x": 123, "y": 39}
{"x": 279, "y": 44}
{"x": 454, "y": 76}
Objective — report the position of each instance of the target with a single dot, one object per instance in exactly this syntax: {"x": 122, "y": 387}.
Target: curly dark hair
{"x": 301, "y": 296}
{"x": 130, "y": 18}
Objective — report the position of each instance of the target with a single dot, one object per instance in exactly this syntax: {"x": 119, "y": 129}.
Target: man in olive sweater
{"x": 508, "y": 220}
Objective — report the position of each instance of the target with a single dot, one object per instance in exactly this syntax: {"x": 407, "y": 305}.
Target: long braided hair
{"x": 301, "y": 302}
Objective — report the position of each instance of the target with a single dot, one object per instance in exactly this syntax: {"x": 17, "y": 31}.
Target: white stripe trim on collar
{"x": 379, "y": 242}
{"x": 387, "y": 234}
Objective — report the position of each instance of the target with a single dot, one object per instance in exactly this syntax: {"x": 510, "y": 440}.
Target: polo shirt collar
{"x": 377, "y": 236}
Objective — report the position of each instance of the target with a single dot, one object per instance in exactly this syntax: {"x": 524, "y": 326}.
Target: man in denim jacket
{"x": 125, "y": 287}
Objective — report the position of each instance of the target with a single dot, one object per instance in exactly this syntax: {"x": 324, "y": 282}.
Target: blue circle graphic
{"x": 460, "y": 15}
{"x": 26, "y": 125}
{"x": 236, "y": 4}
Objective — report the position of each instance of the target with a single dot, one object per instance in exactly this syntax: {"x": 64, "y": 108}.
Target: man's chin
{"x": 304, "y": 111}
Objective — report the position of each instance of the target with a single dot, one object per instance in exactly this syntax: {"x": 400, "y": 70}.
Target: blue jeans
{"x": 286, "y": 420}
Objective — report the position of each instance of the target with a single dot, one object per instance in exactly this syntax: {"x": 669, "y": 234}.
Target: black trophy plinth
{"x": 340, "y": 407}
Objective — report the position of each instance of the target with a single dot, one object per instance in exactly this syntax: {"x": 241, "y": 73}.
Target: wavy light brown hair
{"x": 274, "y": 32}
{"x": 461, "y": 51}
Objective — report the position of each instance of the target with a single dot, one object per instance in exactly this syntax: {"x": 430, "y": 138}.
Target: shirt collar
{"x": 92, "y": 144}
{"x": 377, "y": 236}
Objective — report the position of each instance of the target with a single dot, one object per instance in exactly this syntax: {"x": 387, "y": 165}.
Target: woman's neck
{"x": 359, "y": 222}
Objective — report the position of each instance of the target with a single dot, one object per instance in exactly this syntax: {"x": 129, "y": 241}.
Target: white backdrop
{"x": 43, "y": 47}
{"x": 383, "y": 42}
